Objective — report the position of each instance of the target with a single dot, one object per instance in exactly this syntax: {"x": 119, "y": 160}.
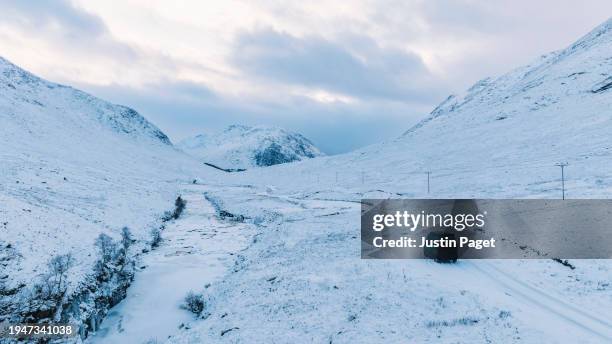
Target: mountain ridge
{"x": 20, "y": 84}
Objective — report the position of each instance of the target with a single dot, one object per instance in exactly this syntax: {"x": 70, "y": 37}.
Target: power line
{"x": 562, "y": 165}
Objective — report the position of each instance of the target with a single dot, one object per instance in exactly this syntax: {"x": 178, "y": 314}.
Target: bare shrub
{"x": 194, "y": 303}
{"x": 167, "y": 216}
{"x": 46, "y": 295}
{"x": 58, "y": 269}
{"x": 106, "y": 247}
{"x": 156, "y": 237}
{"x": 126, "y": 238}
{"x": 179, "y": 206}
{"x": 463, "y": 321}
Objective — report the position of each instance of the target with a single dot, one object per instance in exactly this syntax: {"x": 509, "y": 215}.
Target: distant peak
{"x": 242, "y": 146}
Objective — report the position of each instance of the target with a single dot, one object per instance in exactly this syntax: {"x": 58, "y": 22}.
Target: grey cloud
{"x": 47, "y": 13}
{"x": 183, "y": 109}
{"x": 465, "y": 17}
{"x": 185, "y": 90}
{"x": 356, "y": 65}
{"x": 64, "y": 24}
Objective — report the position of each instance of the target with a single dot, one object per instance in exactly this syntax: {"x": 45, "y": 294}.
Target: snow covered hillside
{"x": 240, "y": 146}
{"x": 73, "y": 166}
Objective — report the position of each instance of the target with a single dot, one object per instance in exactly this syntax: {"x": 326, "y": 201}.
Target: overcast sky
{"x": 343, "y": 73}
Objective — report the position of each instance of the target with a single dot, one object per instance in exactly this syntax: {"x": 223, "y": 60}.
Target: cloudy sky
{"x": 344, "y": 73}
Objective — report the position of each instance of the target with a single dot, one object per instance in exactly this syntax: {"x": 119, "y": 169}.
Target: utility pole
{"x": 562, "y": 165}
{"x": 428, "y": 173}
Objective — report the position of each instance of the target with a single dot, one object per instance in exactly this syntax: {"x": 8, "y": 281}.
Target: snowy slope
{"x": 23, "y": 92}
{"x": 73, "y": 166}
{"x": 240, "y": 146}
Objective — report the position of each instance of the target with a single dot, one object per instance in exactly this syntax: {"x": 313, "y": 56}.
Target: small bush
{"x": 179, "y": 206}
{"x": 56, "y": 278}
{"x": 194, "y": 303}
{"x": 504, "y": 314}
{"x": 106, "y": 246}
{"x": 58, "y": 267}
{"x": 167, "y": 216}
{"x": 126, "y": 238}
{"x": 156, "y": 237}
{"x": 463, "y": 321}
{"x": 113, "y": 256}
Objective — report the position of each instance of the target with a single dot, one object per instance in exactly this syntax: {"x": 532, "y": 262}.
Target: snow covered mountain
{"x": 73, "y": 166}
{"x": 240, "y": 146}
{"x": 23, "y": 92}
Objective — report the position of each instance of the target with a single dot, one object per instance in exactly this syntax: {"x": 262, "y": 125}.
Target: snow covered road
{"x": 196, "y": 250}
{"x": 550, "y": 308}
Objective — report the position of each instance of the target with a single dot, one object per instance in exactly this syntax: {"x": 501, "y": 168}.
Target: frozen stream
{"x": 196, "y": 250}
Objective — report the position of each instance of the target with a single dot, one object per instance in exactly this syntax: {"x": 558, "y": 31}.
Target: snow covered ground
{"x": 302, "y": 281}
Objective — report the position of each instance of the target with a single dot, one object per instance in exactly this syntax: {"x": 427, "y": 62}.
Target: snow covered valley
{"x": 273, "y": 253}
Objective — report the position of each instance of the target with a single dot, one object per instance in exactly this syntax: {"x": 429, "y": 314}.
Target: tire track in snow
{"x": 579, "y": 318}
